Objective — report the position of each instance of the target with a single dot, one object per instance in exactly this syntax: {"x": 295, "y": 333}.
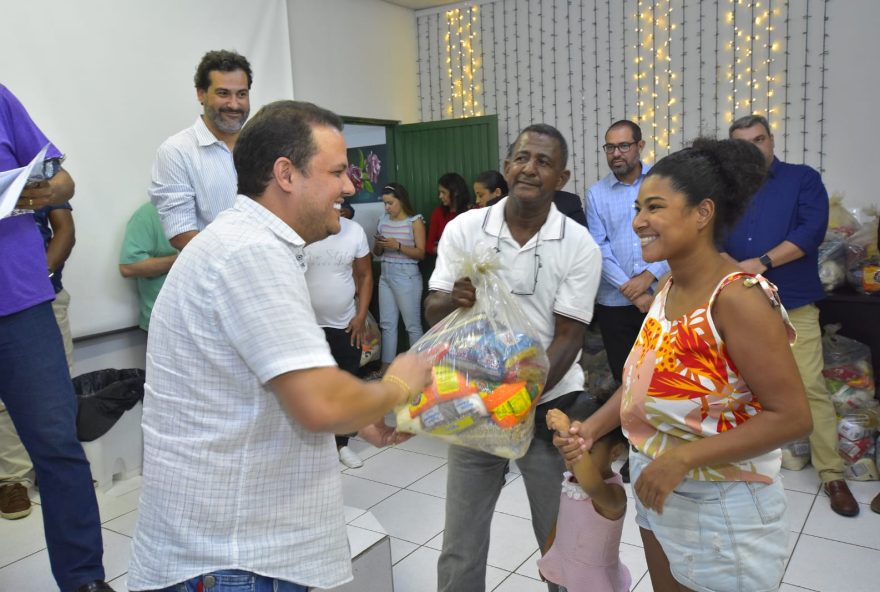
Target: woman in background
{"x": 489, "y": 188}
{"x": 452, "y": 191}
{"x": 400, "y": 241}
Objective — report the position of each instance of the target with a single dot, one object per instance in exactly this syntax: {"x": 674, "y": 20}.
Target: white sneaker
{"x": 349, "y": 458}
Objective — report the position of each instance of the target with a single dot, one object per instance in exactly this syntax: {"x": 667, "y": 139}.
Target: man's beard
{"x": 621, "y": 170}
{"x": 216, "y": 117}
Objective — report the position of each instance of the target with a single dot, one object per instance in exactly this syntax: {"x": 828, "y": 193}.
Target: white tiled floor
{"x": 403, "y": 489}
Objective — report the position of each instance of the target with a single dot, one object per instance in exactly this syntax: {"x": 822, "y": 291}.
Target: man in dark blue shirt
{"x": 779, "y": 237}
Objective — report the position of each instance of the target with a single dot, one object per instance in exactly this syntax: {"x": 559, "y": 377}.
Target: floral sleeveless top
{"x": 680, "y": 385}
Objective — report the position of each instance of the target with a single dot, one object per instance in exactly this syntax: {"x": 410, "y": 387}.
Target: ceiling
{"x": 419, "y": 4}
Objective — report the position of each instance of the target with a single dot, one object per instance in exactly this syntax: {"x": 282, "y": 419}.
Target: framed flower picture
{"x": 368, "y": 172}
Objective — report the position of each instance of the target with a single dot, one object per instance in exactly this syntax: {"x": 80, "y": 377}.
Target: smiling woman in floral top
{"x": 710, "y": 389}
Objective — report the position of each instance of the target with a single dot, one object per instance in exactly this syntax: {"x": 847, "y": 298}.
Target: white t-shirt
{"x": 329, "y": 274}
{"x": 231, "y": 480}
{"x": 567, "y": 277}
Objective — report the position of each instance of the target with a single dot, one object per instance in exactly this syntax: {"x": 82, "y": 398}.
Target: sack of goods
{"x": 856, "y": 433}
{"x": 489, "y": 369}
{"x": 848, "y": 373}
{"x": 371, "y": 348}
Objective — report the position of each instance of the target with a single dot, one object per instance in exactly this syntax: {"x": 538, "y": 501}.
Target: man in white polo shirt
{"x": 553, "y": 268}
{"x": 242, "y": 398}
{"x": 193, "y": 176}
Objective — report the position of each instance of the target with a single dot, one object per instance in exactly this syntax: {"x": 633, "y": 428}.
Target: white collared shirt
{"x": 568, "y": 276}
{"x": 193, "y": 179}
{"x": 232, "y": 481}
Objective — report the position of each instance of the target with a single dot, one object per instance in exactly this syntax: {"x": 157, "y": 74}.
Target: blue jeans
{"x": 36, "y": 388}
{"x": 234, "y": 580}
{"x": 400, "y": 294}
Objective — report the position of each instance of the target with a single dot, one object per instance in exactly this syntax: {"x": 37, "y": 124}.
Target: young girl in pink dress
{"x": 584, "y": 556}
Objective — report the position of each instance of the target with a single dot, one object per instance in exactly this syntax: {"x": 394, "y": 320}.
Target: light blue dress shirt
{"x": 610, "y": 212}
{"x": 193, "y": 180}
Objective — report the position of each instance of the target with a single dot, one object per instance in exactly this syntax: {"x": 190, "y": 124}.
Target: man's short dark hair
{"x": 747, "y": 122}
{"x": 220, "y": 60}
{"x": 282, "y": 128}
{"x": 633, "y": 126}
{"x": 544, "y": 130}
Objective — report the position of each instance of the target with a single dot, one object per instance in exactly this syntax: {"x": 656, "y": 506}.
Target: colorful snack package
{"x": 489, "y": 370}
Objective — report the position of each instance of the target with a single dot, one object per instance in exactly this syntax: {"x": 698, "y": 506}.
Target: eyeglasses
{"x": 537, "y": 263}
{"x": 623, "y": 147}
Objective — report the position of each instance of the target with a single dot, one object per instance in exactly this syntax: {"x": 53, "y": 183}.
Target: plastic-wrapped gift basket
{"x": 489, "y": 369}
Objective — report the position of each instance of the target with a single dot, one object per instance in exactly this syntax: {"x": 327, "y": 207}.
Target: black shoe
{"x": 624, "y": 472}
{"x": 96, "y": 586}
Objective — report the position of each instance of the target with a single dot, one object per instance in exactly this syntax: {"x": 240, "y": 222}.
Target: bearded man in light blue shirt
{"x": 193, "y": 177}
{"x": 627, "y": 287}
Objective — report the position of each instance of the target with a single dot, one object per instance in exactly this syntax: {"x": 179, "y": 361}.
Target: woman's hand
{"x": 573, "y": 446}
{"x": 660, "y": 478}
{"x": 388, "y": 243}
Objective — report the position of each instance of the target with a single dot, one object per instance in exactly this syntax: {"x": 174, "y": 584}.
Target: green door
{"x": 425, "y": 151}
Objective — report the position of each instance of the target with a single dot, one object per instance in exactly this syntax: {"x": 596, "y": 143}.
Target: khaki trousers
{"x": 808, "y": 356}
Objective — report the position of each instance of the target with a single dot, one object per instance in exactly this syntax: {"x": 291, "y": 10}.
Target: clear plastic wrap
{"x": 371, "y": 346}
{"x": 489, "y": 368}
{"x": 847, "y": 398}
{"x": 847, "y": 362}
{"x": 796, "y": 455}
{"x": 832, "y": 263}
{"x": 856, "y": 432}
{"x": 841, "y": 222}
{"x": 862, "y": 257}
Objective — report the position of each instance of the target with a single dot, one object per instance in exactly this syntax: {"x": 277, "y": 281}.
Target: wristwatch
{"x": 766, "y": 261}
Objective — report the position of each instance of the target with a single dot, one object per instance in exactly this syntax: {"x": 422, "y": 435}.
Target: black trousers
{"x": 347, "y": 356}
{"x": 619, "y": 326}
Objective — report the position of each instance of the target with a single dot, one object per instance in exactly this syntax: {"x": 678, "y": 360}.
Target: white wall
{"x": 119, "y": 350}
{"x": 355, "y": 57}
{"x": 107, "y": 82}
{"x": 853, "y": 79}
{"x": 575, "y": 96}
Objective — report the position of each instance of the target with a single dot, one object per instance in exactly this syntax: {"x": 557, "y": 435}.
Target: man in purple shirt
{"x": 779, "y": 237}
{"x": 35, "y": 382}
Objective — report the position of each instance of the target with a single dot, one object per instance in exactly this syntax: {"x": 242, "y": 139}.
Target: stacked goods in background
{"x": 850, "y": 380}
{"x": 849, "y": 253}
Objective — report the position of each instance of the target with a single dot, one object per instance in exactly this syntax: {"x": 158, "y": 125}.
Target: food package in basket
{"x": 489, "y": 369}
{"x": 847, "y": 362}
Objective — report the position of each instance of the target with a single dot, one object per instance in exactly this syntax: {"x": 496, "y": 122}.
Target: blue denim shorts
{"x": 234, "y": 580}
{"x": 720, "y": 536}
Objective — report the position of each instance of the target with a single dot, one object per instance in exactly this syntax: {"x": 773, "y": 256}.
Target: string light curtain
{"x": 680, "y": 68}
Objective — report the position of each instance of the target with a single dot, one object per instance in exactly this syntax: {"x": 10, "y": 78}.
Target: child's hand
{"x": 557, "y": 420}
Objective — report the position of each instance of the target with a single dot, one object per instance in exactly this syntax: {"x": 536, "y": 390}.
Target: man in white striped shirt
{"x": 242, "y": 488}
{"x": 193, "y": 176}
